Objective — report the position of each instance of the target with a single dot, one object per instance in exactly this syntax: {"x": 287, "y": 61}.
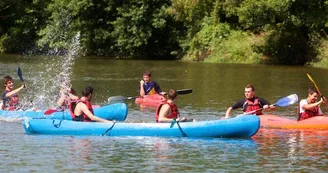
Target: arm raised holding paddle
{"x": 310, "y": 107}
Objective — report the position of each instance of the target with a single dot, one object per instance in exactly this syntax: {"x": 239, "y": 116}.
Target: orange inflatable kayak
{"x": 150, "y": 100}
{"x": 275, "y": 121}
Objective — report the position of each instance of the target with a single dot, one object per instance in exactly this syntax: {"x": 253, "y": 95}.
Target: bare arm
{"x": 312, "y": 105}
{"x": 87, "y": 112}
{"x": 228, "y": 112}
{"x": 13, "y": 92}
{"x": 163, "y": 113}
{"x": 142, "y": 90}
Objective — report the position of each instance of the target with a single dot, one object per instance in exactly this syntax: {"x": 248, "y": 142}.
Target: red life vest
{"x": 307, "y": 113}
{"x": 252, "y": 106}
{"x": 82, "y": 117}
{"x": 174, "y": 111}
{"x": 11, "y": 103}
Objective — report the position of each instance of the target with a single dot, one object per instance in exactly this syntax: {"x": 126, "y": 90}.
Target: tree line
{"x": 291, "y": 32}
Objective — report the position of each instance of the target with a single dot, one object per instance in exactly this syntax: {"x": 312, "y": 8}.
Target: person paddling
{"x": 168, "y": 111}
{"x": 66, "y": 98}
{"x": 149, "y": 87}
{"x": 250, "y": 103}
{"x": 9, "y": 96}
{"x": 81, "y": 110}
{"x": 310, "y": 107}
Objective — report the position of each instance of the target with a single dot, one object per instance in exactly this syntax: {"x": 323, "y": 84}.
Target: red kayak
{"x": 150, "y": 100}
{"x": 275, "y": 121}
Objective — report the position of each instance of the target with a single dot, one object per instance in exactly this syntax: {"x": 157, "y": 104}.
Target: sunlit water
{"x": 215, "y": 88}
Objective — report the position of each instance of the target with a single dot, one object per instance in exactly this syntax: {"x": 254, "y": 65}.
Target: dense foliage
{"x": 226, "y": 31}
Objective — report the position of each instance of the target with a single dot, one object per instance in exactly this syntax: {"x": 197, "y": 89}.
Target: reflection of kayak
{"x": 117, "y": 111}
{"x": 244, "y": 127}
{"x": 150, "y": 100}
{"x": 274, "y": 121}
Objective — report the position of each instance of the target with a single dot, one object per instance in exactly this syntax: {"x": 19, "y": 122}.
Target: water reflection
{"x": 304, "y": 148}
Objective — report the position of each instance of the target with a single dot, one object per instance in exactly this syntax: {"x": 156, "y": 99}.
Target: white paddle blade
{"x": 286, "y": 101}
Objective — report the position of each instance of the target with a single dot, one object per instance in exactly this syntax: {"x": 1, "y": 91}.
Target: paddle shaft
{"x": 315, "y": 85}
{"x": 122, "y": 98}
{"x": 317, "y": 88}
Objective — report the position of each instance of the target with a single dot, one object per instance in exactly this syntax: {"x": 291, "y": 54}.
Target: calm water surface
{"x": 215, "y": 87}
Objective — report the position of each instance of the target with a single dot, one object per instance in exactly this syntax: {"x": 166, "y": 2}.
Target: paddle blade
{"x": 49, "y": 111}
{"x": 184, "y": 91}
{"x": 19, "y": 73}
{"x": 286, "y": 101}
{"x": 118, "y": 99}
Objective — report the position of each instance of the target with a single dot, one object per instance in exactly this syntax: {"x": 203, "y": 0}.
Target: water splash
{"x": 54, "y": 72}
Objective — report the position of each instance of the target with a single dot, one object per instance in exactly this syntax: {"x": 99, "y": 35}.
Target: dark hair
{"x": 172, "y": 94}
{"x": 72, "y": 91}
{"x": 6, "y": 79}
{"x": 147, "y": 73}
{"x": 87, "y": 90}
{"x": 250, "y": 86}
{"x": 312, "y": 90}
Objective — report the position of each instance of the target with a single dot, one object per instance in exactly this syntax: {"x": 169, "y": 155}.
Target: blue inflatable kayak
{"x": 117, "y": 111}
{"x": 241, "y": 127}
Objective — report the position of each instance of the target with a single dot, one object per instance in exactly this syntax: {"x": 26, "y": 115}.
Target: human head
{"x": 172, "y": 94}
{"x": 313, "y": 95}
{"x": 146, "y": 76}
{"x": 72, "y": 91}
{"x": 249, "y": 91}
{"x": 87, "y": 92}
{"x": 6, "y": 80}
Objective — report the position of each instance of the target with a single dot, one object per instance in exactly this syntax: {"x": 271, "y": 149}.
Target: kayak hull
{"x": 150, "y": 100}
{"x": 243, "y": 127}
{"x": 274, "y": 121}
{"x": 117, "y": 111}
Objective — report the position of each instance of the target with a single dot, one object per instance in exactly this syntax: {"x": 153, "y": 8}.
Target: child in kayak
{"x": 309, "y": 107}
{"x": 251, "y": 103}
{"x": 66, "y": 98}
{"x": 168, "y": 111}
{"x": 9, "y": 96}
{"x": 149, "y": 87}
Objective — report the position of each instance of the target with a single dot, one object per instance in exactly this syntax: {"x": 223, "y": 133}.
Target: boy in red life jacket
{"x": 250, "y": 103}
{"x": 168, "y": 111}
{"x": 9, "y": 96}
{"x": 309, "y": 107}
{"x": 82, "y": 109}
{"x": 149, "y": 87}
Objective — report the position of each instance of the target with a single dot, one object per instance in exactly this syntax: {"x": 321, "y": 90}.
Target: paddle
{"x": 285, "y": 101}
{"x": 19, "y": 73}
{"x": 118, "y": 99}
{"x": 315, "y": 85}
{"x": 52, "y": 110}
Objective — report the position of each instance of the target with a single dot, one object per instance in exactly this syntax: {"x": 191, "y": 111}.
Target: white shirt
{"x": 304, "y": 102}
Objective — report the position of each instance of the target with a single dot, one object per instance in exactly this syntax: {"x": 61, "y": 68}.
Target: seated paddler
{"x": 81, "y": 110}
{"x": 251, "y": 104}
{"x": 310, "y": 107}
{"x": 168, "y": 111}
{"x": 148, "y": 86}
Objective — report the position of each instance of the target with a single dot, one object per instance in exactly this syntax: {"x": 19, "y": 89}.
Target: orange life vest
{"x": 252, "y": 106}
{"x": 82, "y": 117}
{"x": 174, "y": 112}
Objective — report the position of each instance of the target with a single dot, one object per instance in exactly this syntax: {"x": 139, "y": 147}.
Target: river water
{"x": 215, "y": 88}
